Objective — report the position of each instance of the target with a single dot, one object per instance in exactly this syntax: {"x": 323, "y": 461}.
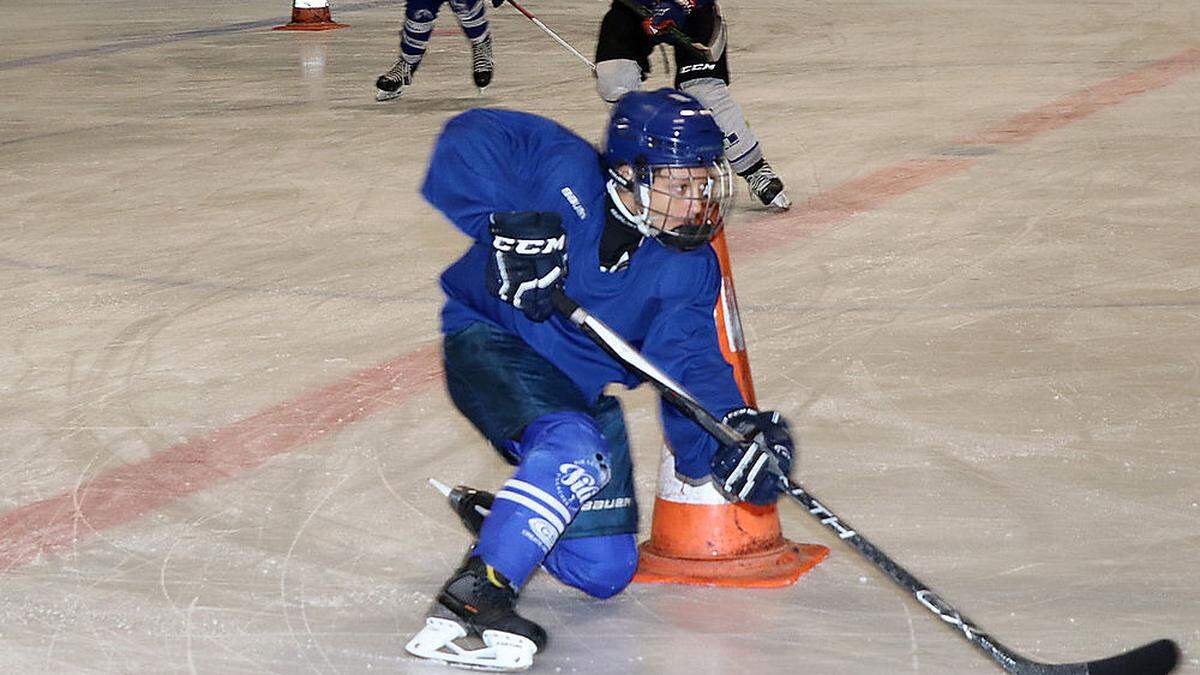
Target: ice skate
{"x": 482, "y": 62}
{"x": 392, "y": 83}
{"x": 473, "y": 624}
{"x": 766, "y": 185}
{"x": 471, "y": 505}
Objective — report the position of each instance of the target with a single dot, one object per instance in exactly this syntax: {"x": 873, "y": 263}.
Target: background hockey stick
{"x": 538, "y": 22}
{"x": 1155, "y": 658}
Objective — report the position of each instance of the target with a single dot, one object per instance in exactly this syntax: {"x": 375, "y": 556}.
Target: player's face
{"x": 684, "y": 207}
{"x": 679, "y": 195}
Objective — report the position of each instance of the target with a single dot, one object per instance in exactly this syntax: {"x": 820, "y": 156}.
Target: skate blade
{"x": 440, "y": 487}
{"x": 502, "y": 652}
{"x": 781, "y": 202}
{"x": 445, "y": 490}
{"x": 381, "y": 95}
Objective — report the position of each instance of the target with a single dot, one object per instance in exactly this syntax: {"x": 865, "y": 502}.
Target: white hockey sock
{"x": 741, "y": 145}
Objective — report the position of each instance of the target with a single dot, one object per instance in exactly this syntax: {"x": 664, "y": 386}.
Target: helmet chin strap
{"x": 643, "y": 220}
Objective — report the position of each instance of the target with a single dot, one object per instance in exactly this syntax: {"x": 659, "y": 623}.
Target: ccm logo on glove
{"x": 529, "y": 260}
{"x": 529, "y": 246}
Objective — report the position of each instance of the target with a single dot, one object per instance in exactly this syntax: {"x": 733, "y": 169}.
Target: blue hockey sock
{"x": 418, "y": 26}
{"x": 472, "y": 17}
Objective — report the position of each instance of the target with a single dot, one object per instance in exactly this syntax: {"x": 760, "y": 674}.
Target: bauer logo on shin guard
{"x": 529, "y": 246}
{"x": 607, "y": 504}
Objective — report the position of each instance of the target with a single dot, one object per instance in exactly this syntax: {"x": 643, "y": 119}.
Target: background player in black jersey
{"x": 627, "y": 38}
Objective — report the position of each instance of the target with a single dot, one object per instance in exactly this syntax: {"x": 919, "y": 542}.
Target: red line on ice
{"x": 872, "y": 191}
{"x": 842, "y": 203}
{"x": 1083, "y": 103}
{"x": 124, "y": 494}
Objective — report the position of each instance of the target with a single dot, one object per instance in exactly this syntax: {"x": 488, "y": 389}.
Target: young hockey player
{"x": 622, "y": 60}
{"x": 419, "y": 17}
{"x": 634, "y": 223}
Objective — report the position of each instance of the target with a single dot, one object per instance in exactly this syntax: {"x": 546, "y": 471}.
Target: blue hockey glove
{"x": 529, "y": 260}
{"x": 751, "y": 472}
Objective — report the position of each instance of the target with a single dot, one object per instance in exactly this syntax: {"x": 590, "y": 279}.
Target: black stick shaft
{"x": 616, "y": 347}
{"x": 903, "y": 578}
{"x": 1157, "y": 657}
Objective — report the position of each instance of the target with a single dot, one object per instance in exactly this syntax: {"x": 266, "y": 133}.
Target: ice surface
{"x": 981, "y": 316}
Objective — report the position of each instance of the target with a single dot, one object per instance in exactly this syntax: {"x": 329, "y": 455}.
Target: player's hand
{"x": 750, "y": 472}
{"x": 665, "y": 15}
{"x": 655, "y": 27}
{"x": 529, "y": 261}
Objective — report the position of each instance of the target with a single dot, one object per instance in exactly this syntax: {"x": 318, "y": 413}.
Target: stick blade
{"x": 1155, "y": 658}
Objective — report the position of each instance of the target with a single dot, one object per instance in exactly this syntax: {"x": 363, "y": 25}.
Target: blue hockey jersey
{"x": 487, "y": 161}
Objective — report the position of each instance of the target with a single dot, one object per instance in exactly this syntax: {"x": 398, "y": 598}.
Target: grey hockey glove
{"x": 750, "y": 472}
{"x": 528, "y": 261}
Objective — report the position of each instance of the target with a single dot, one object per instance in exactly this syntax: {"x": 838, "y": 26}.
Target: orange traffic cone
{"x": 311, "y": 15}
{"x": 696, "y": 536}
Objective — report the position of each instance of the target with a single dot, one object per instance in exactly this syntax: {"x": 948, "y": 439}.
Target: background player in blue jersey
{"x": 622, "y": 60}
{"x": 625, "y": 234}
{"x": 419, "y": 19}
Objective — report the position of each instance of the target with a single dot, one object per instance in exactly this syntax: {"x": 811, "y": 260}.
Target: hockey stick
{"x": 538, "y": 22}
{"x": 1154, "y": 658}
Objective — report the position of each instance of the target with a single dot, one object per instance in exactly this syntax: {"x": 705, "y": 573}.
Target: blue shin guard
{"x": 563, "y": 462}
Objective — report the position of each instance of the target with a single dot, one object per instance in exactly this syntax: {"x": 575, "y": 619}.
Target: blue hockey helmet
{"x": 665, "y": 149}
{"x": 664, "y": 128}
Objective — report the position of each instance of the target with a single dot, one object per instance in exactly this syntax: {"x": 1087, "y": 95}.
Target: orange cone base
{"x": 722, "y": 545}
{"x": 311, "y": 19}
{"x": 781, "y": 566}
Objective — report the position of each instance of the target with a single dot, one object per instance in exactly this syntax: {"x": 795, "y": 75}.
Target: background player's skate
{"x": 766, "y": 185}
{"x": 420, "y": 16}
{"x": 392, "y": 83}
{"x": 482, "y": 62}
